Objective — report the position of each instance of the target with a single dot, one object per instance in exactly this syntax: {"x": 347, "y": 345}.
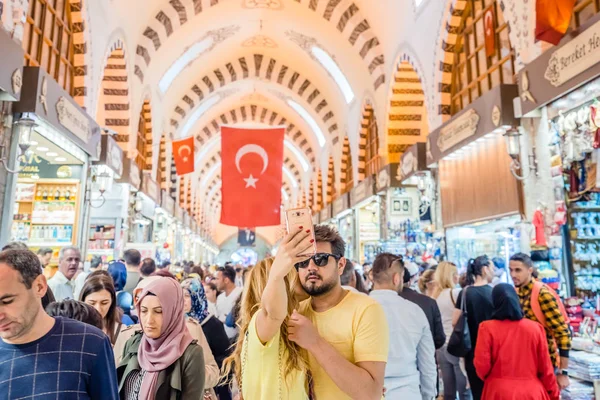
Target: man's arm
{"x": 559, "y": 330}
{"x": 103, "y": 383}
{"x": 426, "y": 363}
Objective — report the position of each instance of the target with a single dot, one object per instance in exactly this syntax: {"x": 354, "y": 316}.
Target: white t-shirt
{"x": 446, "y": 306}
{"x": 225, "y": 305}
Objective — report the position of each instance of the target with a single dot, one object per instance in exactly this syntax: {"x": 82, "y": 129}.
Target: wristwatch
{"x": 563, "y": 372}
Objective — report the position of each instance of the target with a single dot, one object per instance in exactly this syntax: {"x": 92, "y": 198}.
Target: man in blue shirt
{"x": 410, "y": 373}
{"x": 43, "y": 357}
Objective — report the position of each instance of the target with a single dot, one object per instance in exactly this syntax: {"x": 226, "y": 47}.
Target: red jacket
{"x": 511, "y": 357}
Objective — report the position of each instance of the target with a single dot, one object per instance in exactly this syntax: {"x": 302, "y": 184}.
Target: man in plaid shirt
{"x": 556, "y": 327}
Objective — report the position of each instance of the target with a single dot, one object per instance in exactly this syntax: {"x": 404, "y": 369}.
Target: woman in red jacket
{"x": 511, "y": 355}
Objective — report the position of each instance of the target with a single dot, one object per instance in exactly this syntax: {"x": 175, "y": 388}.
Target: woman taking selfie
{"x": 263, "y": 352}
{"x": 163, "y": 361}
{"x": 99, "y": 292}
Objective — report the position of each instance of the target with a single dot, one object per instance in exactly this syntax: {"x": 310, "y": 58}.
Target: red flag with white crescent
{"x": 183, "y": 153}
{"x": 251, "y": 171}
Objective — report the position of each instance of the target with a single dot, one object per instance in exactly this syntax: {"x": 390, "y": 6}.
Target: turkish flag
{"x": 183, "y": 153}
{"x": 552, "y": 19}
{"x": 490, "y": 32}
{"x": 251, "y": 171}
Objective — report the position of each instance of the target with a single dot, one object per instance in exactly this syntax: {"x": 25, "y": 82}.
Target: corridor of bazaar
{"x": 424, "y": 145}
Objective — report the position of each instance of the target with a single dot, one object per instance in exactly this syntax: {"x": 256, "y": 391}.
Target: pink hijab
{"x": 155, "y": 355}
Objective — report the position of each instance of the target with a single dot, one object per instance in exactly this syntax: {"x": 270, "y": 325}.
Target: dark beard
{"x": 317, "y": 291}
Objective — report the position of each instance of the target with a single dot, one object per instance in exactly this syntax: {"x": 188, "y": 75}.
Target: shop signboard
{"x": 44, "y": 97}
{"x": 325, "y": 213}
{"x": 131, "y": 174}
{"x": 386, "y": 178}
{"x": 493, "y": 110}
{"x": 362, "y": 191}
{"x": 574, "y": 62}
{"x": 186, "y": 220}
{"x": 412, "y": 161}
{"x": 150, "y": 188}
{"x": 111, "y": 155}
{"x": 178, "y": 213}
{"x": 35, "y": 167}
{"x": 340, "y": 205}
{"x": 11, "y": 68}
{"x": 168, "y": 203}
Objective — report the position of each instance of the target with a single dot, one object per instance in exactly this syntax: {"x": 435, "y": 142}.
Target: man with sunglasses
{"x": 345, "y": 333}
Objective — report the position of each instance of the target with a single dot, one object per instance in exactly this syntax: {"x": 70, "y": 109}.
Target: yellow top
{"x": 262, "y": 371}
{"x": 357, "y": 328}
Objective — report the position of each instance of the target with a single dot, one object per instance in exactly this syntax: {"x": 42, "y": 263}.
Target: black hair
{"x": 522, "y": 258}
{"x": 148, "y": 267}
{"x": 382, "y": 265}
{"x": 360, "y": 283}
{"x": 95, "y": 262}
{"x": 228, "y": 272}
{"x": 76, "y": 310}
{"x": 346, "y": 276}
{"x": 132, "y": 257}
{"x": 15, "y": 246}
{"x": 475, "y": 268}
{"x": 44, "y": 250}
{"x": 325, "y": 233}
{"x": 25, "y": 262}
{"x": 164, "y": 264}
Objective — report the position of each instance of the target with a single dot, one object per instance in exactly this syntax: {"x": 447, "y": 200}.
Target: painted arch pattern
{"x": 346, "y": 172}
{"x": 344, "y": 14}
{"x": 256, "y": 113}
{"x": 80, "y": 90}
{"x": 331, "y": 188}
{"x": 255, "y": 66}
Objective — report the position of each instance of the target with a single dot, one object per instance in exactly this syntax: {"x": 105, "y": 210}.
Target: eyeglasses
{"x": 320, "y": 260}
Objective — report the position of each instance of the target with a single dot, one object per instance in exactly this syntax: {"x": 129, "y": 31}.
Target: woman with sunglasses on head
{"x": 163, "y": 361}
{"x": 196, "y": 309}
{"x": 266, "y": 364}
{"x": 99, "y": 292}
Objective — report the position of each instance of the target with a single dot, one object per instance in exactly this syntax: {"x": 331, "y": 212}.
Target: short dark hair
{"x": 148, "y": 267}
{"x": 15, "y": 246}
{"x": 25, "y": 262}
{"x": 523, "y": 258}
{"x": 76, "y": 310}
{"x": 382, "y": 266}
{"x": 132, "y": 257}
{"x": 95, "y": 262}
{"x": 44, "y": 250}
{"x": 228, "y": 272}
{"x": 325, "y": 233}
{"x": 346, "y": 276}
{"x": 164, "y": 264}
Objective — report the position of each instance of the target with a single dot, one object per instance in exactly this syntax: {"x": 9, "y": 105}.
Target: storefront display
{"x": 47, "y": 198}
{"x": 366, "y": 205}
{"x": 345, "y": 219}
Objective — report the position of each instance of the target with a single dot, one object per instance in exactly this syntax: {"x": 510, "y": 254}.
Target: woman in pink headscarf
{"x": 163, "y": 361}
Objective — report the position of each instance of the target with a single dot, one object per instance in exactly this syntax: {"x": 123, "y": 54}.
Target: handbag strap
{"x": 463, "y": 306}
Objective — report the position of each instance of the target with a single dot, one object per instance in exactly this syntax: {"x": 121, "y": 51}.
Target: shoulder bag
{"x": 459, "y": 344}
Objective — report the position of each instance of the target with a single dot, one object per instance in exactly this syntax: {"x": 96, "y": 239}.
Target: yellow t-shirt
{"x": 357, "y": 328}
{"x": 261, "y": 378}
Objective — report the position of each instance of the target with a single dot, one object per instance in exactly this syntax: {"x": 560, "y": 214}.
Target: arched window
{"x": 473, "y": 72}
{"x": 371, "y": 132}
{"x": 144, "y": 139}
{"x": 48, "y": 40}
{"x": 584, "y": 10}
{"x": 331, "y": 190}
{"x": 347, "y": 173}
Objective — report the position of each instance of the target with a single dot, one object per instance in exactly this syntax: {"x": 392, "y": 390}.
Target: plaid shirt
{"x": 557, "y": 329}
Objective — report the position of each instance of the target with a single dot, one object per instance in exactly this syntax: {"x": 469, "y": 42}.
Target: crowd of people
{"x": 296, "y": 326}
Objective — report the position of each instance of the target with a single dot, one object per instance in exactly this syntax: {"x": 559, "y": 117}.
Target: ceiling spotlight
{"x": 51, "y": 154}
{"x": 41, "y": 148}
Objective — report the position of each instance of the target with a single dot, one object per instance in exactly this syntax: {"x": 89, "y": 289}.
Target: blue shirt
{"x": 411, "y": 372}
{"x": 72, "y": 361}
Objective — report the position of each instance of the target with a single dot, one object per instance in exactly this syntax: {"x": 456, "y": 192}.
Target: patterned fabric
{"x": 133, "y": 384}
{"x": 72, "y": 361}
{"x": 557, "y": 330}
{"x": 199, "y": 303}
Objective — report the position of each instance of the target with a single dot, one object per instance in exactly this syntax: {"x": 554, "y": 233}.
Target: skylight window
{"x": 418, "y": 2}
{"x": 309, "y": 120}
{"x": 193, "y": 52}
{"x": 335, "y": 71}
{"x": 202, "y": 108}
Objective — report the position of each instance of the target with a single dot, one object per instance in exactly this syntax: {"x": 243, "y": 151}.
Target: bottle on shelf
{"x": 38, "y": 194}
{"x": 68, "y": 194}
{"x": 57, "y": 194}
{"x": 45, "y": 194}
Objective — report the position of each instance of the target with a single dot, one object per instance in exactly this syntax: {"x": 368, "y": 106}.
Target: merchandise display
{"x": 102, "y": 241}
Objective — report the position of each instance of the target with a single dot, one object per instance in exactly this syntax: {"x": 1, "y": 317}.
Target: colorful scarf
{"x": 199, "y": 309}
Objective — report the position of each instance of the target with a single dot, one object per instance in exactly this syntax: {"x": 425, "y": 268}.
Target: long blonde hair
{"x": 295, "y": 358}
{"x": 444, "y": 276}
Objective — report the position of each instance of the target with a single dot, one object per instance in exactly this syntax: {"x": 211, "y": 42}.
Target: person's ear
{"x": 341, "y": 265}
{"x": 396, "y": 279}
{"x": 40, "y": 286}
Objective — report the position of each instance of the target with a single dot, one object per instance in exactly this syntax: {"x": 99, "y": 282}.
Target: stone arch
{"x": 407, "y": 116}
{"x": 345, "y": 15}
{"x": 331, "y": 181}
{"x": 319, "y": 197}
{"x": 143, "y": 147}
{"x": 369, "y": 160}
{"x": 347, "y": 173}
{"x": 260, "y": 67}
{"x": 114, "y": 100}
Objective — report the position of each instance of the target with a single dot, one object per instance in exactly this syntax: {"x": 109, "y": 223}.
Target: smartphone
{"x": 301, "y": 217}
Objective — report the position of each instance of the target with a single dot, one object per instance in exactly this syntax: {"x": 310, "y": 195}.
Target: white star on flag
{"x": 251, "y": 181}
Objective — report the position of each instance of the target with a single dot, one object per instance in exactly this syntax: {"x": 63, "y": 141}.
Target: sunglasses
{"x": 320, "y": 260}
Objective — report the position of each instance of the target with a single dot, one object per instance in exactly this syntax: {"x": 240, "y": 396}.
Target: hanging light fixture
{"x": 512, "y": 137}
{"x": 23, "y": 129}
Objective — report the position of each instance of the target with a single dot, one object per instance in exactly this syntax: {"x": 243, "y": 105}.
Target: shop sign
{"x": 111, "y": 155}
{"x": 168, "y": 203}
{"x": 458, "y": 130}
{"x": 412, "y": 161}
{"x": 151, "y": 188}
{"x": 339, "y": 205}
{"x": 362, "y": 191}
{"x": 325, "y": 213}
{"x": 35, "y": 167}
{"x": 74, "y": 120}
{"x": 11, "y": 67}
{"x": 186, "y": 220}
{"x": 178, "y": 213}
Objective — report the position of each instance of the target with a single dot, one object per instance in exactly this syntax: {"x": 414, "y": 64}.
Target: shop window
{"x": 48, "y": 40}
{"x": 473, "y": 72}
{"x": 372, "y": 159}
{"x": 584, "y": 10}
{"x": 347, "y": 173}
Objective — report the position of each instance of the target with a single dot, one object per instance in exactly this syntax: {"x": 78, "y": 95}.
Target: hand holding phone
{"x": 298, "y": 219}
